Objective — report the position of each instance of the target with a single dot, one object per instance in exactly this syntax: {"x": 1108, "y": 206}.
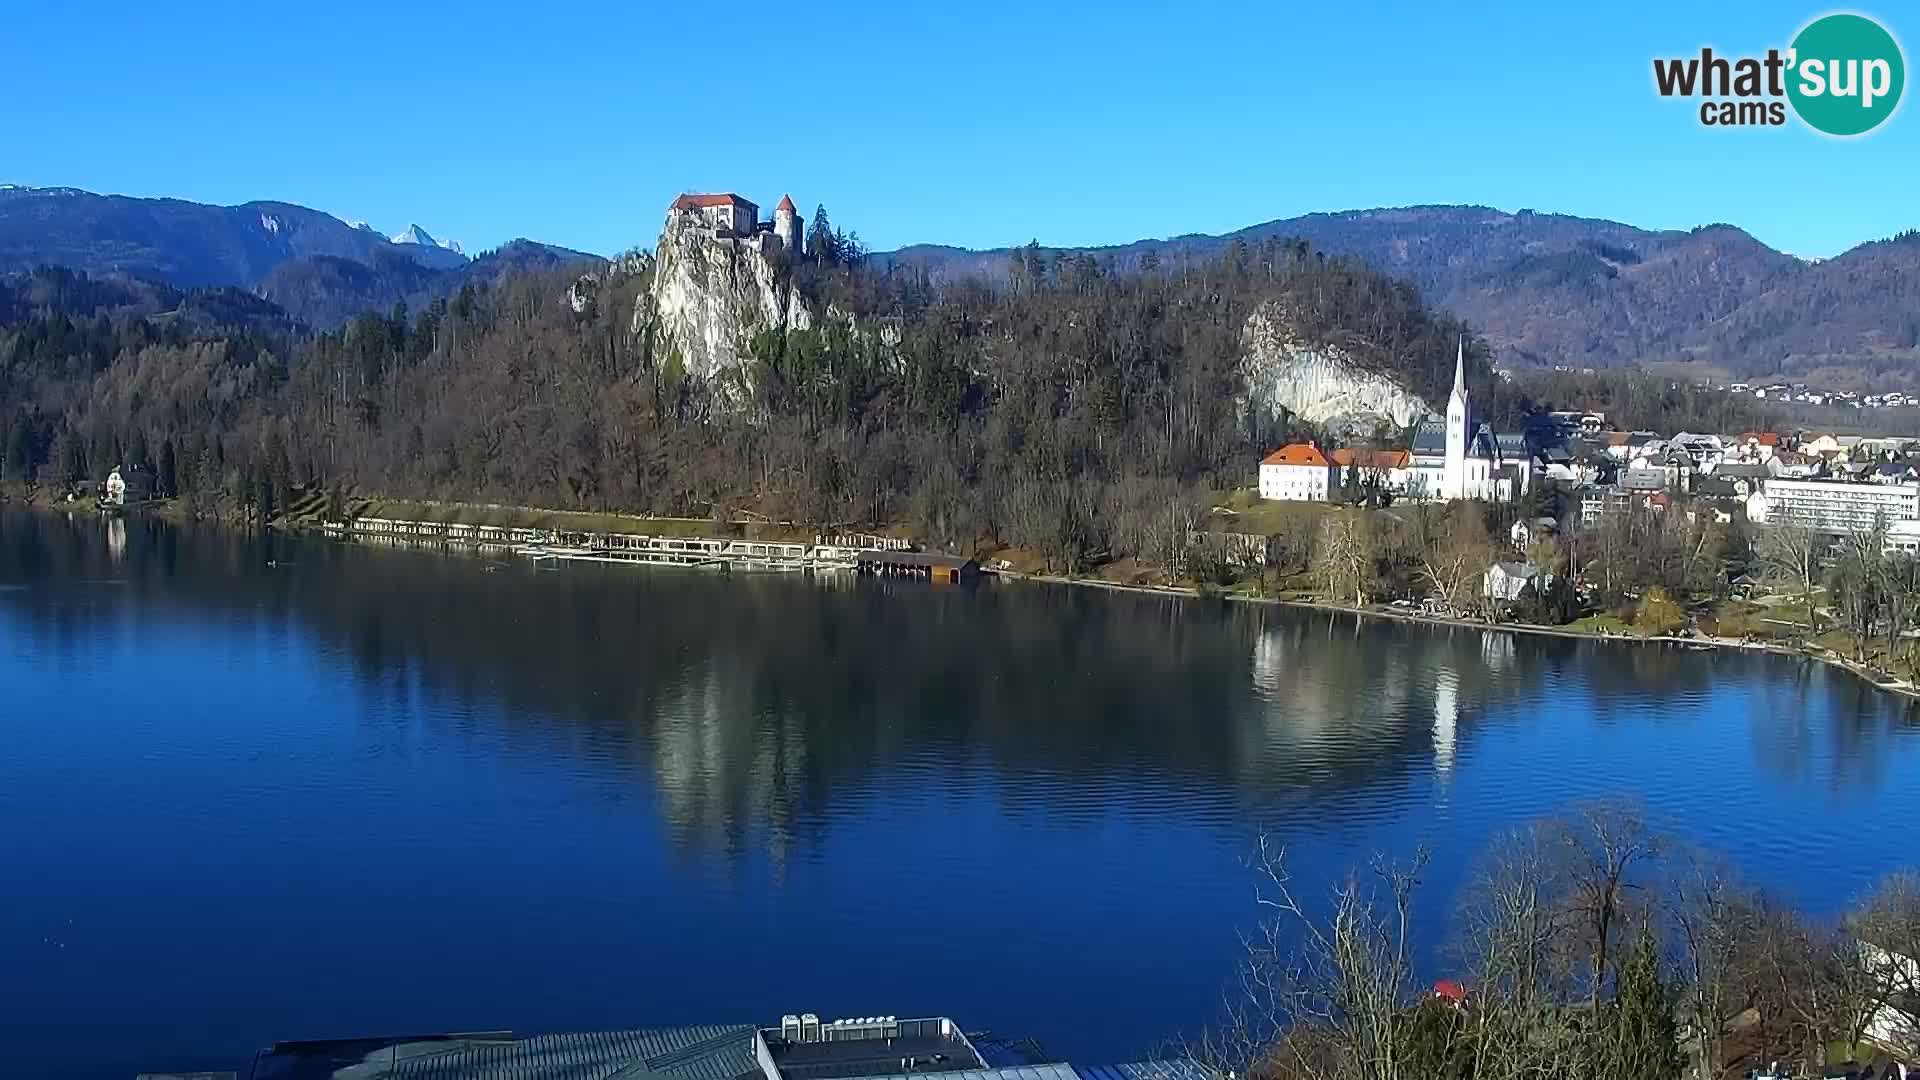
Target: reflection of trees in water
{"x": 752, "y": 701}
{"x": 1844, "y": 746}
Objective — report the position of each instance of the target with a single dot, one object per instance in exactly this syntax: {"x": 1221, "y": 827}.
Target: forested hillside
{"x": 1554, "y": 290}
{"x": 1073, "y": 410}
{"x": 326, "y": 292}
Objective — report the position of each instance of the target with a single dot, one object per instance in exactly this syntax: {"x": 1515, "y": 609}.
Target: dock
{"x": 862, "y": 553}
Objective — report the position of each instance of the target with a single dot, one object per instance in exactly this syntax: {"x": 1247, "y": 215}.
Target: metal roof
{"x": 1013, "y": 1072}
{"x": 711, "y": 1052}
{"x": 1182, "y": 1069}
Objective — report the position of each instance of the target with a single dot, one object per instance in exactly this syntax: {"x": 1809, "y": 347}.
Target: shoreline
{"x": 1893, "y": 685}
{"x": 1701, "y": 643}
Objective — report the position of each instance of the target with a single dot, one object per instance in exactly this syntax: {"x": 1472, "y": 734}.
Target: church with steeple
{"x": 1457, "y": 458}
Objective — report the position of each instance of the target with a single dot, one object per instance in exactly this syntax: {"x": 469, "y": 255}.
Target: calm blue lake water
{"x": 253, "y": 792}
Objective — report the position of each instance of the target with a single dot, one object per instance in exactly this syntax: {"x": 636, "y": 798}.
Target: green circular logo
{"x": 1846, "y": 76}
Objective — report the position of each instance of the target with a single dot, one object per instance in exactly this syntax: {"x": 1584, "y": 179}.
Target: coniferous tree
{"x": 167, "y": 474}
{"x": 16, "y": 453}
{"x": 820, "y": 237}
{"x": 1642, "y": 1039}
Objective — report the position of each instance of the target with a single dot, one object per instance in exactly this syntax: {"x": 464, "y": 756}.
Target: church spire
{"x": 1460, "y": 368}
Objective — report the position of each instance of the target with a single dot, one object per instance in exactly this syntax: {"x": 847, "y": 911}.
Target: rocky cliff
{"x": 1321, "y": 384}
{"x": 711, "y": 295}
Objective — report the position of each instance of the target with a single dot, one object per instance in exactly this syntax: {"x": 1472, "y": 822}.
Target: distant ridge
{"x": 1554, "y": 289}
{"x": 319, "y": 269}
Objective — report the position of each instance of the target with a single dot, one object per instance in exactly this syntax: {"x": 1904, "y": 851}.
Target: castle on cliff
{"x": 735, "y": 218}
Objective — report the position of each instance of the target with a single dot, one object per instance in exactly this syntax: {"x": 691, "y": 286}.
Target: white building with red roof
{"x": 733, "y": 217}
{"x": 1298, "y": 472}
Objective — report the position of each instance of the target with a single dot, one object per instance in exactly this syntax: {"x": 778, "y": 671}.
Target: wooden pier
{"x": 868, "y": 554}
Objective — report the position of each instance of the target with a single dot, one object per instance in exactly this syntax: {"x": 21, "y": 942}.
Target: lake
{"x": 256, "y": 790}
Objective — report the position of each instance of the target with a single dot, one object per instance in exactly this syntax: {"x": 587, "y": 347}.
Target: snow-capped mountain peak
{"x": 416, "y": 235}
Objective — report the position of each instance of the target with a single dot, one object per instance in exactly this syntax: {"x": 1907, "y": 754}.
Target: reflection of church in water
{"x": 1421, "y": 686}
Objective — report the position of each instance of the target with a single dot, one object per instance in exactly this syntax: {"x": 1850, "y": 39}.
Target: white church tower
{"x": 1453, "y": 480}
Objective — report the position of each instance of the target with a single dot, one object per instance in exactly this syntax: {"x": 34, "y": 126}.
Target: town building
{"x": 1902, "y": 537}
{"x": 1750, "y": 471}
{"x": 1297, "y": 472}
{"x": 1897, "y": 471}
{"x": 1391, "y": 470}
{"x": 1706, "y": 451}
{"x": 1797, "y": 465}
{"x": 1827, "y": 446}
{"x": 1754, "y": 446}
{"x": 1608, "y": 499}
{"x": 1507, "y": 582}
{"x": 1833, "y": 506}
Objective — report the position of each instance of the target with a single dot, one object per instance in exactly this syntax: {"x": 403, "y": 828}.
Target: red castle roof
{"x": 786, "y": 204}
{"x": 693, "y": 201}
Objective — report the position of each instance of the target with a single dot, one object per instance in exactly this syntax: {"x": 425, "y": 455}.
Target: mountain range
{"x": 1543, "y": 289}
{"x": 317, "y": 268}
{"x": 1556, "y": 290}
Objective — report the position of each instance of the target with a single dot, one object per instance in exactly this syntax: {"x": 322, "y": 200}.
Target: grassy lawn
{"x": 1742, "y": 618}
{"x": 1601, "y": 623}
{"x": 1251, "y": 514}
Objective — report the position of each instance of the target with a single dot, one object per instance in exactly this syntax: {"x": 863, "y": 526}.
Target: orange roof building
{"x": 1299, "y": 453}
{"x": 723, "y": 210}
{"x": 1386, "y": 460}
{"x": 1297, "y": 472}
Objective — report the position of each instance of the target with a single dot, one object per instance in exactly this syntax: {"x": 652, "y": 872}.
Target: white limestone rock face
{"x": 1323, "y": 385}
{"x": 710, "y": 296}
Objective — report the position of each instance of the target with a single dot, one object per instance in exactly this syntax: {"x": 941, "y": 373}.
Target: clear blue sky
{"x": 980, "y": 124}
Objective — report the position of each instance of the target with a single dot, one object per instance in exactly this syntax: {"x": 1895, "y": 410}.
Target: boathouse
{"x": 939, "y": 569}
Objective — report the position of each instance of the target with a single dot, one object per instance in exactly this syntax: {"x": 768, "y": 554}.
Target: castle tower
{"x": 786, "y": 225}
{"x": 1453, "y": 484}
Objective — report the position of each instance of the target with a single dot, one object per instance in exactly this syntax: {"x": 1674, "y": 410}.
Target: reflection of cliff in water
{"x": 754, "y": 701}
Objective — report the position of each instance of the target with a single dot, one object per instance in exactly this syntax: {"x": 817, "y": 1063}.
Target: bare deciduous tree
{"x": 1789, "y": 557}
{"x": 1325, "y": 996}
